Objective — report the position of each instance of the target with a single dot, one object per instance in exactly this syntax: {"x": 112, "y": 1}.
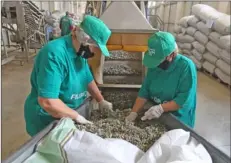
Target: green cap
{"x": 98, "y": 31}
{"x": 160, "y": 45}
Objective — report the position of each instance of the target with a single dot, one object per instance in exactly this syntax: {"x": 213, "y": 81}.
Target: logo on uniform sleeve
{"x": 151, "y": 52}
{"x": 78, "y": 96}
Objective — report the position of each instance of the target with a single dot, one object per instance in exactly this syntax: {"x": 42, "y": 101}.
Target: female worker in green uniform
{"x": 171, "y": 82}
{"x": 61, "y": 77}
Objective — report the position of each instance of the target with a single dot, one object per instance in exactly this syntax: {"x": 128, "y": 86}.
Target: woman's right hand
{"x": 132, "y": 117}
{"x": 80, "y": 119}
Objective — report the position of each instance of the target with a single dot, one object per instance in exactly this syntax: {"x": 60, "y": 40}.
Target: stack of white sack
{"x": 208, "y": 32}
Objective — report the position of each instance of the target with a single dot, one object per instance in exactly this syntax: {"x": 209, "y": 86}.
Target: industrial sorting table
{"x": 170, "y": 121}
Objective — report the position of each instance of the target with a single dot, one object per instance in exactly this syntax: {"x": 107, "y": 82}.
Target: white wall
{"x": 171, "y": 12}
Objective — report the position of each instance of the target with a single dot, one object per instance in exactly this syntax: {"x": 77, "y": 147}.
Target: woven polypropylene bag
{"x": 223, "y": 66}
{"x": 225, "y": 56}
{"x": 222, "y": 76}
{"x": 177, "y": 29}
{"x": 184, "y": 21}
{"x": 225, "y": 42}
{"x": 201, "y": 26}
{"x": 191, "y": 31}
{"x": 209, "y": 67}
{"x": 209, "y": 57}
{"x": 187, "y": 46}
{"x": 197, "y": 63}
{"x": 215, "y": 37}
{"x": 208, "y": 13}
{"x": 199, "y": 47}
{"x": 197, "y": 8}
{"x": 213, "y": 48}
{"x": 185, "y": 38}
{"x": 192, "y": 21}
{"x": 197, "y": 55}
{"x": 180, "y": 45}
{"x": 186, "y": 52}
{"x": 202, "y": 38}
{"x": 222, "y": 24}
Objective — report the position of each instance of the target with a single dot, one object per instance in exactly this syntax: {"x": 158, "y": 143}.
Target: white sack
{"x": 201, "y": 26}
{"x": 223, "y": 66}
{"x": 202, "y": 38}
{"x": 209, "y": 14}
{"x": 209, "y": 57}
{"x": 225, "y": 42}
{"x": 213, "y": 48}
{"x": 183, "y": 30}
{"x": 185, "y": 38}
{"x": 177, "y": 29}
{"x": 184, "y": 21}
{"x": 176, "y": 146}
{"x": 197, "y": 8}
{"x": 209, "y": 67}
{"x": 187, "y": 46}
{"x": 222, "y": 24}
{"x": 225, "y": 78}
{"x": 197, "y": 63}
{"x": 215, "y": 37}
{"x": 186, "y": 52}
{"x": 225, "y": 56}
{"x": 192, "y": 21}
{"x": 191, "y": 31}
{"x": 199, "y": 47}
{"x": 180, "y": 45}
{"x": 197, "y": 55}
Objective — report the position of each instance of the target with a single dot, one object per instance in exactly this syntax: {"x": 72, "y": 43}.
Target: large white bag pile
{"x": 205, "y": 38}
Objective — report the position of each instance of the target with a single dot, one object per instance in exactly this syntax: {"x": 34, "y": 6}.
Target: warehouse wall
{"x": 71, "y": 6}
{"x": 171, "y": 12}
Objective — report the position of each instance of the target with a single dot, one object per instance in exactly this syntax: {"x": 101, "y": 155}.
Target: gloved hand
{"x": 80, "y": 119}
{"x": 105, "y": 106}
{"x": 154, "y": 112}
{"x": 131, "y": 117}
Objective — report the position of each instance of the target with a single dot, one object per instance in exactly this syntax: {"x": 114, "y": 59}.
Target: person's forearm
{"x": 94, "y": 91}
{"x": 139, "y": 104}
{"x": 170, "y": 106}
{"x": 56, "y": 108}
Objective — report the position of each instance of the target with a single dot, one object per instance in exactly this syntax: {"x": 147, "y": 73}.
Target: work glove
{"x": 154, "y": 112}
{"x": 131, "y": 117}
{"x": 105, "y": 106}
{"x": 80, "y": 119}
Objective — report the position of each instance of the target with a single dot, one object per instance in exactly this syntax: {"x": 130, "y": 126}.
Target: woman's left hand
{"x": 154, "y": 112}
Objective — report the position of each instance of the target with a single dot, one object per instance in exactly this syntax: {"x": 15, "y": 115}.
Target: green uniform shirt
{"x": 178, "y": 83}
{"x": 65, "y": 24}
{"x": 58, "y": 73}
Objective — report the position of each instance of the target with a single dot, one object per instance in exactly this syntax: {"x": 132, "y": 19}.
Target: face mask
{"x": 84, "y": 51}
{"x": 164, "y": 65}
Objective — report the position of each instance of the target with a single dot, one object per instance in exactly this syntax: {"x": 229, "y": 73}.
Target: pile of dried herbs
{"x": 139, "y": 133}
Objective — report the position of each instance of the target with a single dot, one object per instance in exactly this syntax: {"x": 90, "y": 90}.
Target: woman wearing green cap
{"x": 171, "y": 82}
{"x": 61, "y": 77}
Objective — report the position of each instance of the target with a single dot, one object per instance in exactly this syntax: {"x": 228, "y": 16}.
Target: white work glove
{"x": 154, "y": 112}
{"x": 80, "y": 119}
{"x": 131, "y": 117}
{"x": 105, "y": 106}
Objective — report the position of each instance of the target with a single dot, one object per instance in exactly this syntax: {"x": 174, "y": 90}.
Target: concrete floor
{"x": 212, "y": 121}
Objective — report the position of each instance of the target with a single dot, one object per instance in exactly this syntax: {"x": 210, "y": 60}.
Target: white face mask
{"x": 84, "y": 38}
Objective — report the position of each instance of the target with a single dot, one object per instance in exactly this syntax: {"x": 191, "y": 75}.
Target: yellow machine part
{"x": 128, "y": 48}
